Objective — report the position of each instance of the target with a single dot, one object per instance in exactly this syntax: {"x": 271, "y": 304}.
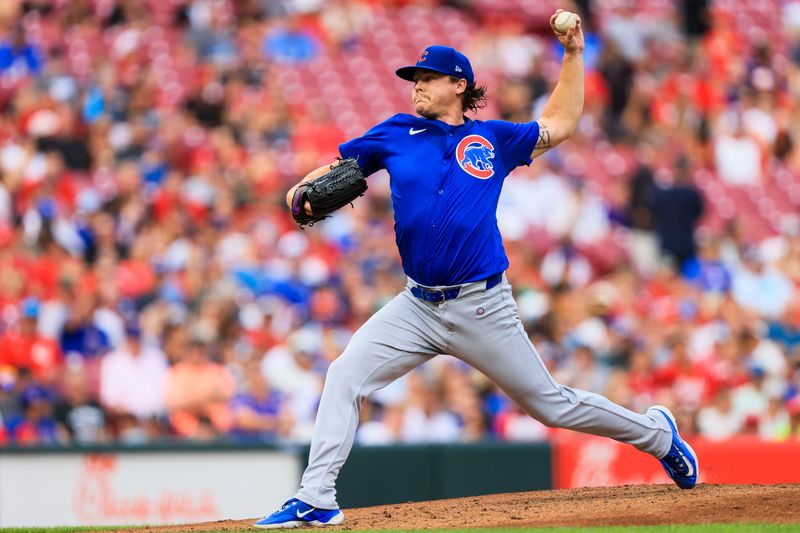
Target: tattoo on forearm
{"x": 544, "y": 138}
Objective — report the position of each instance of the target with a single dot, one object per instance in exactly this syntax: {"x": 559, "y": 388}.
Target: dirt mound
{"x": 599, "y": 506}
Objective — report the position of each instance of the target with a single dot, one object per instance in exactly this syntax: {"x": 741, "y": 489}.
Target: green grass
{"x": 701, "y": 528}
{"x": 61, "y": 529}
{"x": 65, "y": 529}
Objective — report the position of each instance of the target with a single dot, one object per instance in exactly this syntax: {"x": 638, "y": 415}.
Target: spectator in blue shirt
{"x": 80, "y": 334}
{"x": 35, "y": 424}
{"x": 257, "y": 410}
{"x": 291, "y": 44}
{"x": 708, "y": 271}
{"x": 19, "y": 57}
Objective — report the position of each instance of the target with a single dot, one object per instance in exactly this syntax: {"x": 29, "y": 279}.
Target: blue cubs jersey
{"x": 445, "y": 182}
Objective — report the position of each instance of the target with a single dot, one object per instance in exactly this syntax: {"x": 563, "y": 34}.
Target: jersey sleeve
{"x": 369, "y": 149}
{"x": 516, "y": 141}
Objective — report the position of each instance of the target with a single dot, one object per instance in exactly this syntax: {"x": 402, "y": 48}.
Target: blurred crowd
{"x": 154, "y": 288}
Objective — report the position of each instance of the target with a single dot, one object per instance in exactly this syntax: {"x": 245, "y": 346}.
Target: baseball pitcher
{"x": 446, "y": 174}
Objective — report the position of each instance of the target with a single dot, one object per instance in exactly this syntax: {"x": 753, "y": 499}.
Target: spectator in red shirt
{"x": 641, "y": 380}
{"x": 691, "y": 383}
{"x": 22, "y": 347}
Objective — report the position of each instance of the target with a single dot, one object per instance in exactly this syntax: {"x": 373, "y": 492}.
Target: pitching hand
{"x": 572, "y": 41}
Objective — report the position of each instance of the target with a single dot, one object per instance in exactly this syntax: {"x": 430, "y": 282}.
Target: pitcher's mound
{"x": 599, "y": 506}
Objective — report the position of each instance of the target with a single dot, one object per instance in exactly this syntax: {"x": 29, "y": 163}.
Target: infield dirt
{"x": 598, "y": 506}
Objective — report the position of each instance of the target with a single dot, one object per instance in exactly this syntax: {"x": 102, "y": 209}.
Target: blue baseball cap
{"x": 133, "y": 331}
{"x": 441, "y": 59}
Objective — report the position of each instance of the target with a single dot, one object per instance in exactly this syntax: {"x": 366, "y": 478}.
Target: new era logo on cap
{"x": 441, "y": 59}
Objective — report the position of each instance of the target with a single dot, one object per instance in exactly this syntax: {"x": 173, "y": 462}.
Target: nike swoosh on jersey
{"x": 412, "y": 131}
{"x": 301, "y": 515}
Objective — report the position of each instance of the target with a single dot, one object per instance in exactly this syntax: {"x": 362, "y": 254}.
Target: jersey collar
{"x": 443, "y": 125}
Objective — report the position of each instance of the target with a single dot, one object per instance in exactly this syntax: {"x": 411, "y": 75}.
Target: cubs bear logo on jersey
{"x": 474, "y": 155}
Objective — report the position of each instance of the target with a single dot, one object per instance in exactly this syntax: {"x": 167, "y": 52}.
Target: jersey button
{"x": 444, "y": 161}
{"x": 433, "y": 225}
{"x": 441, "y": 191}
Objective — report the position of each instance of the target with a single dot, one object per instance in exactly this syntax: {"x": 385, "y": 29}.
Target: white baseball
{"x": 565, "y": 21}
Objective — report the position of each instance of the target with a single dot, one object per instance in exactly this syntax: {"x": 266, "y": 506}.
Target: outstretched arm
{"x": 563, "y": 110}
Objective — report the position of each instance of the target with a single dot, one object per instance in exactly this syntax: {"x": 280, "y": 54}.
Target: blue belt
{"x": 450, "y": 293}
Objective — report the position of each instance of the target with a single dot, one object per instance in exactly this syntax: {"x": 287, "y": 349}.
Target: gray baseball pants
{"x": 480, "y": 327}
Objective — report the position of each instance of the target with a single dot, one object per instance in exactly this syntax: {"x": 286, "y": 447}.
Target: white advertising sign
{"x": 72, "y": 489}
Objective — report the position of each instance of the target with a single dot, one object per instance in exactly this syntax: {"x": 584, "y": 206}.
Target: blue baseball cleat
{"x": 295, "y": 513}
{"x": 680, "y": 462}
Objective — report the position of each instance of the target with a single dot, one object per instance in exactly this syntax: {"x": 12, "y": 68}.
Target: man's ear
{"x": 461, "y": 86}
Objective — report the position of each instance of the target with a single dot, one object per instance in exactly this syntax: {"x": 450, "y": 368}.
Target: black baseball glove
{"x": 338, "y": 187}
